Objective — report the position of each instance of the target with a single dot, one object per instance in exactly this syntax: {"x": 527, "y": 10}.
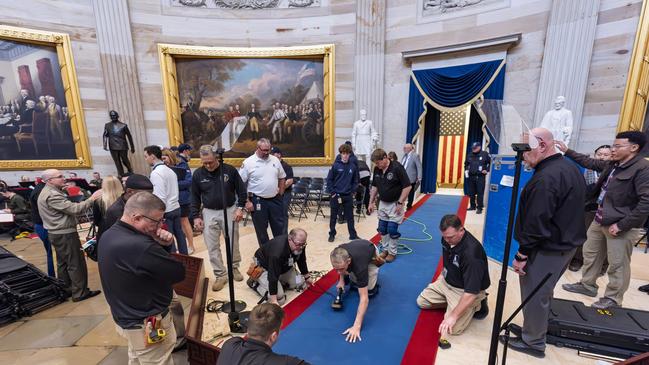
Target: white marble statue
{"x": 364, "y": 136}
{"x": 559, "y": 121}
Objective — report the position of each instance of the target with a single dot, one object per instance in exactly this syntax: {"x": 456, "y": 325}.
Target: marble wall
{"x": 335, "y": 21}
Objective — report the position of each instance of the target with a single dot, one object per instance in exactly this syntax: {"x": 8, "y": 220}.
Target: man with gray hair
{"x": 59, "y": 216}
{"x": 265, "y": 177}
{"x": 206, "y": 193}
{"x": 357, "y": 262}
{"x": 137, "y": 274}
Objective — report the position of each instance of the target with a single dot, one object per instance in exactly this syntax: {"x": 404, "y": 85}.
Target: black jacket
{"x": 206, "y": 189}
{"x": 276, "y": 257}
{"x": 551, "y": 208}
{"x": 136, "y": 273}
{"x": 475, "y": 163}
{"x": 240, "y": 351}
{"x": 33, "y": 201}
{"x": 115, "y": 135}
{"x": 627, "y": 198}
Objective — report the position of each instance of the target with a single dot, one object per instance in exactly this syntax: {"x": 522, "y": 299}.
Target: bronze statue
{"x": 115, "y": 134}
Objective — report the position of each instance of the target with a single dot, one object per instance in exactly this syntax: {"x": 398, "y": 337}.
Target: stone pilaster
{"x": 369, "y": 61}
{"x": 566, "y": 58}
{"x": 117, "y": 55}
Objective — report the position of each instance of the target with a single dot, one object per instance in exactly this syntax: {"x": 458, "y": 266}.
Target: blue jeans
{"x": 175, "y": 227}
{"x": 42, "y": 234}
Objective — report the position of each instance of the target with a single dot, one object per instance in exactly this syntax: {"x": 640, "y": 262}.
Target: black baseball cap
{"x": 476, "y": 144}
{"x": 275, "y": 150}
{"x": 138, "y": 182}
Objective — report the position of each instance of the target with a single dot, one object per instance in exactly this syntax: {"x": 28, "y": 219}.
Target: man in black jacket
{"x": 278, "y": 258}
{"x": 256, "y": 347}
{"x": 622, "y": 194}
{"x": 550, "y": 206}
{"x": 137, "y": 275}
{"x": 476, "y": 167}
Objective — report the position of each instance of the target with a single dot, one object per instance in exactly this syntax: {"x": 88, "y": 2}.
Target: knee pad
{"x": 383, "y": 227}
{"x": 393, "y": 230}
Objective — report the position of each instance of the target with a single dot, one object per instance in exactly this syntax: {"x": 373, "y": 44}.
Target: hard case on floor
{"x": 620, "y": 328}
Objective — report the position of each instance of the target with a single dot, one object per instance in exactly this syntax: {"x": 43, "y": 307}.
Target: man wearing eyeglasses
{"x": 264, "y": 175}
{"x": 549, "y": 230}
{"x": 622, "y": 194}
{"x": 59, "y": 216}
{"x": 278, "y": 257}
{"x": 137, "y": 275}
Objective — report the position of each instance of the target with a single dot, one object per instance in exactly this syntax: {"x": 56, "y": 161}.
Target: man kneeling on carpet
{"x": 255, "y": 348}
{"x": 357, "y": 262}
{"x": 461, "y": 287}
{"x": 275, "y": 263}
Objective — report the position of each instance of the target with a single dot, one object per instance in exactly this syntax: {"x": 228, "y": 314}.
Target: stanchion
{"x": 519, "y": 148}
{"x": 237, "y": 319}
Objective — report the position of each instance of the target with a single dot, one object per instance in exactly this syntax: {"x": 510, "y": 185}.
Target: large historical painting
{"x": 38, "y": 127}
{"x": 232, "y": 102}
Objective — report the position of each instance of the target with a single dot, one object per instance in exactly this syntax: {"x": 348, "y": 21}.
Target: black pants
{"x": 411, "y": 195}
{"x": 268, "y": 211}
{"x": 475, "y": 190}
{"x": 286, "y": 200}
{"x": 365, "y": 181}
{"x": 348, "y": 208}
{"x": 121, "y": 157}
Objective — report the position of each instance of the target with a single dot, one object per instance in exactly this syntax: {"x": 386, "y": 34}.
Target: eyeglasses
{"x": 264, "y": 150}
{"x": 298, "y": 244}
{"x": 157, "y": 222}
{"x": 618, "y": 146}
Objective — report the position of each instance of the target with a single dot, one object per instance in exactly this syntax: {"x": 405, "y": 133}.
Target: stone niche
{"x": 246, "y": 4}
{"x": 435, "y": 10}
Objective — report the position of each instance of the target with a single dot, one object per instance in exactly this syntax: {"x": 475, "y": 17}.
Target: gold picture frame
{"x": 170, "y": 53}
{"x": 636, "y": 93}
{"x": 70, "y": 88}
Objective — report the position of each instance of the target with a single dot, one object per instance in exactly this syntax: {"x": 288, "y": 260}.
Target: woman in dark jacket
{"x": 179, "y": 165}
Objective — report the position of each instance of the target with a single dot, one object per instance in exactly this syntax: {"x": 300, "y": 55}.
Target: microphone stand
{"x": 519, "y": 148}
{"x": 234, "y": 308}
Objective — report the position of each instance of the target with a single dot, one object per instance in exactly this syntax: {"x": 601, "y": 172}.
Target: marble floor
{"x": 84, "y": 333}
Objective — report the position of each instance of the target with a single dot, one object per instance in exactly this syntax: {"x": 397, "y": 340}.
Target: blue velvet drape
{"x": 415, "y": 108}
{"x": 430, "y": 151}
{"x": 457, "y": 85}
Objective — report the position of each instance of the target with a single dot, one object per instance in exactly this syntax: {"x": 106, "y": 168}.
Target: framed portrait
{"x": 41, "y": 120}
{"x": 232, "y": 97}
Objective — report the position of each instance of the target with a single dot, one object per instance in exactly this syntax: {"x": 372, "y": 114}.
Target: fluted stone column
{"x": 119, "y": 69}
{"x": 566, "y": 58}
{"x": 369, "y": 61}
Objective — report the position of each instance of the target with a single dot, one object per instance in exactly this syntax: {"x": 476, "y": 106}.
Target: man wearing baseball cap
{"x": 476, "y": 167}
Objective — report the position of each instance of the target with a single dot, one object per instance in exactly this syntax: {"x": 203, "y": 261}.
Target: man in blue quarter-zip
{"x": 342, "y": 181}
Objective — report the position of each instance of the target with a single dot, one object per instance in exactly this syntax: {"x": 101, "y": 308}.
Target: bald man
{"x": 549, "y": 230}
{"x": 59, "y": 216}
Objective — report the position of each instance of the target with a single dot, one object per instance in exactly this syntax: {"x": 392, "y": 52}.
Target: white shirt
{"x": 262, "y": 175}
{"x": 165, "y": 186}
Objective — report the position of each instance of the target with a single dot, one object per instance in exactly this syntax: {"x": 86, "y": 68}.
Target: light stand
{"x": 519, "y": 148}
{"x": 234, "y": 308}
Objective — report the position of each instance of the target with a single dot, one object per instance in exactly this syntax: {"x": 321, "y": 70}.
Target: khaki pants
{"x": 142, "y": 353}
{"x": 600, "y": 245}
{"x": 439, "y": 293}
{"x": 288, "y": 278}
{"x": 214, "y": 226}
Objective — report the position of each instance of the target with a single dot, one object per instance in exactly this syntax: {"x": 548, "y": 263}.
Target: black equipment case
{"x": 613, "y": 332}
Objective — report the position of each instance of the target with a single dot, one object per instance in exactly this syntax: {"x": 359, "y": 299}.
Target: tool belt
{"x": 255, "y": 271}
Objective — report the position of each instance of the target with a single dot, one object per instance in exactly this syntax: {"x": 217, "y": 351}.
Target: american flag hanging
{"x": 450, "y": 163}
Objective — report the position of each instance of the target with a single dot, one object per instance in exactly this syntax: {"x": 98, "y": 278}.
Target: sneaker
{"x": 471, "y": 208}
{"x": 579, "y": 288}
{"x": 644, "y": 288}
{"x": 190, "y": 250}
{"x": 236, "y": 274}
{"x": 219, "y": 283}
{"x": 479, "y": 211}
{"x": 605, "y": 303}
{"x": 89, "y": 294}
{"x": 331, "y": 238}
{"x": 390, "y": 257}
